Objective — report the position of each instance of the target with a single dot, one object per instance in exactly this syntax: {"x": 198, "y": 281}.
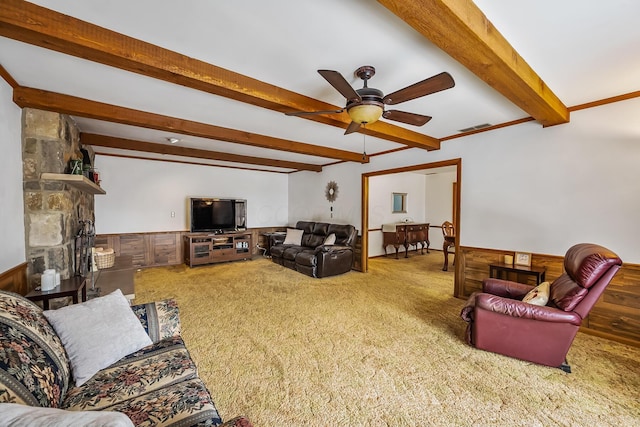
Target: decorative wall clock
{"x": 331, "y": 192}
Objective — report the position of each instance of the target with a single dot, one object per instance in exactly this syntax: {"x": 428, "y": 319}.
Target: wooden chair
{"x": 449, "y": 234}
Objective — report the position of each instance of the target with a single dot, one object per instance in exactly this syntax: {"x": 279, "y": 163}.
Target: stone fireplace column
{"x": 52, "y": 209}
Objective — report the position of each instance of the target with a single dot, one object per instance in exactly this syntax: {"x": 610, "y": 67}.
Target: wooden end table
{"x": 68, "y": 288}
{"x": 500, "y": 271}
{"x": 268, "y": 236}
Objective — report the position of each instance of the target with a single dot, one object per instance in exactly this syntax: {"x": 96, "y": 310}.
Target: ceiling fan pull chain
{"x": 364, "y": 141}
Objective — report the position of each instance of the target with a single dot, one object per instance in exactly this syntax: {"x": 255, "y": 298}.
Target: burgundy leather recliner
{"x": 501, "y": 323}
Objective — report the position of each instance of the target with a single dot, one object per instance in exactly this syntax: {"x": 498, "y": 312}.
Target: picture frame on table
{"x": 522, "y": 258}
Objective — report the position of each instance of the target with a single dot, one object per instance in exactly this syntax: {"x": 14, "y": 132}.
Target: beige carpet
{"x": 376, "y": 349}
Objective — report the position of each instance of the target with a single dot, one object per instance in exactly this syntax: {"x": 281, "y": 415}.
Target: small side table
{"x": 499, "y": 271}
{"x": 267, "y": 252}
{"x": 68, "y": 288}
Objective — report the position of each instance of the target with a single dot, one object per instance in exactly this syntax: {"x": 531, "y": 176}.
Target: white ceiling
{"x": 584, "y": 51}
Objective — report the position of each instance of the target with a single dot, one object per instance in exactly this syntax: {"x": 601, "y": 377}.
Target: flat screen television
{"x": 212, "y": 215}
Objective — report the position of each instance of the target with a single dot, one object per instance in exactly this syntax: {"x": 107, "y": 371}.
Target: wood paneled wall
{"x": 146, "y": 249}
{"x": 163, "y": 248}
{"x": 15, "y": 280}
{"x": 615, "y": 316}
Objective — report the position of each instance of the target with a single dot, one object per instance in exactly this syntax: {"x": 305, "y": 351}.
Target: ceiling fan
{"x": 366, "y": 105}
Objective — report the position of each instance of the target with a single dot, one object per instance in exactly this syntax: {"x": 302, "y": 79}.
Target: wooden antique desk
{"x": 501, "y": 271}
{"x": 68, "y": 288}
{"x": 405, "y": 234}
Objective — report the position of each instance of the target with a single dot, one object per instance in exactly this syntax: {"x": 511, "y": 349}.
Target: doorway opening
{"x": 457, "y": 163}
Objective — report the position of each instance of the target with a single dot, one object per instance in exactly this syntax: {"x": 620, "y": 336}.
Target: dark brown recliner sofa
{"x": 500, "y": 322}
{"x": 312, "y": 257}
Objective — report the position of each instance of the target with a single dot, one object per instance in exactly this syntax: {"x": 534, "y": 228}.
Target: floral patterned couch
{"x": 155, "y": 386}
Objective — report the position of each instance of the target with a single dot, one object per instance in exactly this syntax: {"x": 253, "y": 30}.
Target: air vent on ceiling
{"x": 476, "y": 127}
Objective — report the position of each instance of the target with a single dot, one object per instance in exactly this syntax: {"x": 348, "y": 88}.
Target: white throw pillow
{"x": 330, "y": 240}
{"x": 294, "y": 237}
{"x": 16, "y": 415}
{"x": 97, "y": 333}
{"x": 538, "y": 295}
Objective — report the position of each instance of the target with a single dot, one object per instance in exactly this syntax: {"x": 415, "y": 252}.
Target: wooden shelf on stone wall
{"x": 80, "y": 182}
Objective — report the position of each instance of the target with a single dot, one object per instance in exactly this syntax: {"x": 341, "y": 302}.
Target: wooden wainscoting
{"x": 146, "y": 249}
{"x": 619, "y": 308}
{"x": 615, "y": 316}
{"x": 157, "y": 249}
{"x": 15, "y": 280}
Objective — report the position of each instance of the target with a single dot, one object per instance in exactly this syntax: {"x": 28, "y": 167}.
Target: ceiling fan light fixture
{"x": 366, "y": 105}
{"x": 365, "y": 113}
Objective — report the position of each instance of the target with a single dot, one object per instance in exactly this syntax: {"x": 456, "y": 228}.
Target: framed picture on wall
{"x": 399, "y": 203}
{"x": 522, "y": 258}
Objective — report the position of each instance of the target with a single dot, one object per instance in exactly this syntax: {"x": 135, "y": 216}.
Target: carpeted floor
{"x": 376, "y": 349}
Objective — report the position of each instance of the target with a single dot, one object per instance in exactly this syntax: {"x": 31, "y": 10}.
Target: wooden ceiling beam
{"x": 33, "y": 24}
{"x": 8, "y": 77}
{"x": 459, "y": 28}
{"x": 149, "y": 147}
{"x": 66, "y": 104}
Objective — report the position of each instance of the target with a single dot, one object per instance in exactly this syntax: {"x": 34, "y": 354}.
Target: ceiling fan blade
{"x": 353, "y": 127}
{"x": 428, "y": 86}
{"x": 308, "y": 113}
{"x": 336, "y": 80}
{"x": 404, "y": 117}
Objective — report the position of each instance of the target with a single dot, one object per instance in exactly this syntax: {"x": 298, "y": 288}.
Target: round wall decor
{"x": 331, "y": 192}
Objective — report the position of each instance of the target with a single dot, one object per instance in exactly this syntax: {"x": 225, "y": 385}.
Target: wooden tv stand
{"x": 211, "y": 248}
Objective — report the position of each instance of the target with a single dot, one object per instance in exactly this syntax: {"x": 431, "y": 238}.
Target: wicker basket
{"x": 105, "y": 259}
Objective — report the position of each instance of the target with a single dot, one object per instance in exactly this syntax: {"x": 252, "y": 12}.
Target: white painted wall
{"x": 141, "y": 194}
{"x": 570, "y": 183}
{"x": 380, "y": 199}
{"x": 439, "y": 204}
{"x": 523, "y": 187}
{"x": 307, "y": 200}
{"x": 380, "y": 204}
{"x": 12, "y": 249}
